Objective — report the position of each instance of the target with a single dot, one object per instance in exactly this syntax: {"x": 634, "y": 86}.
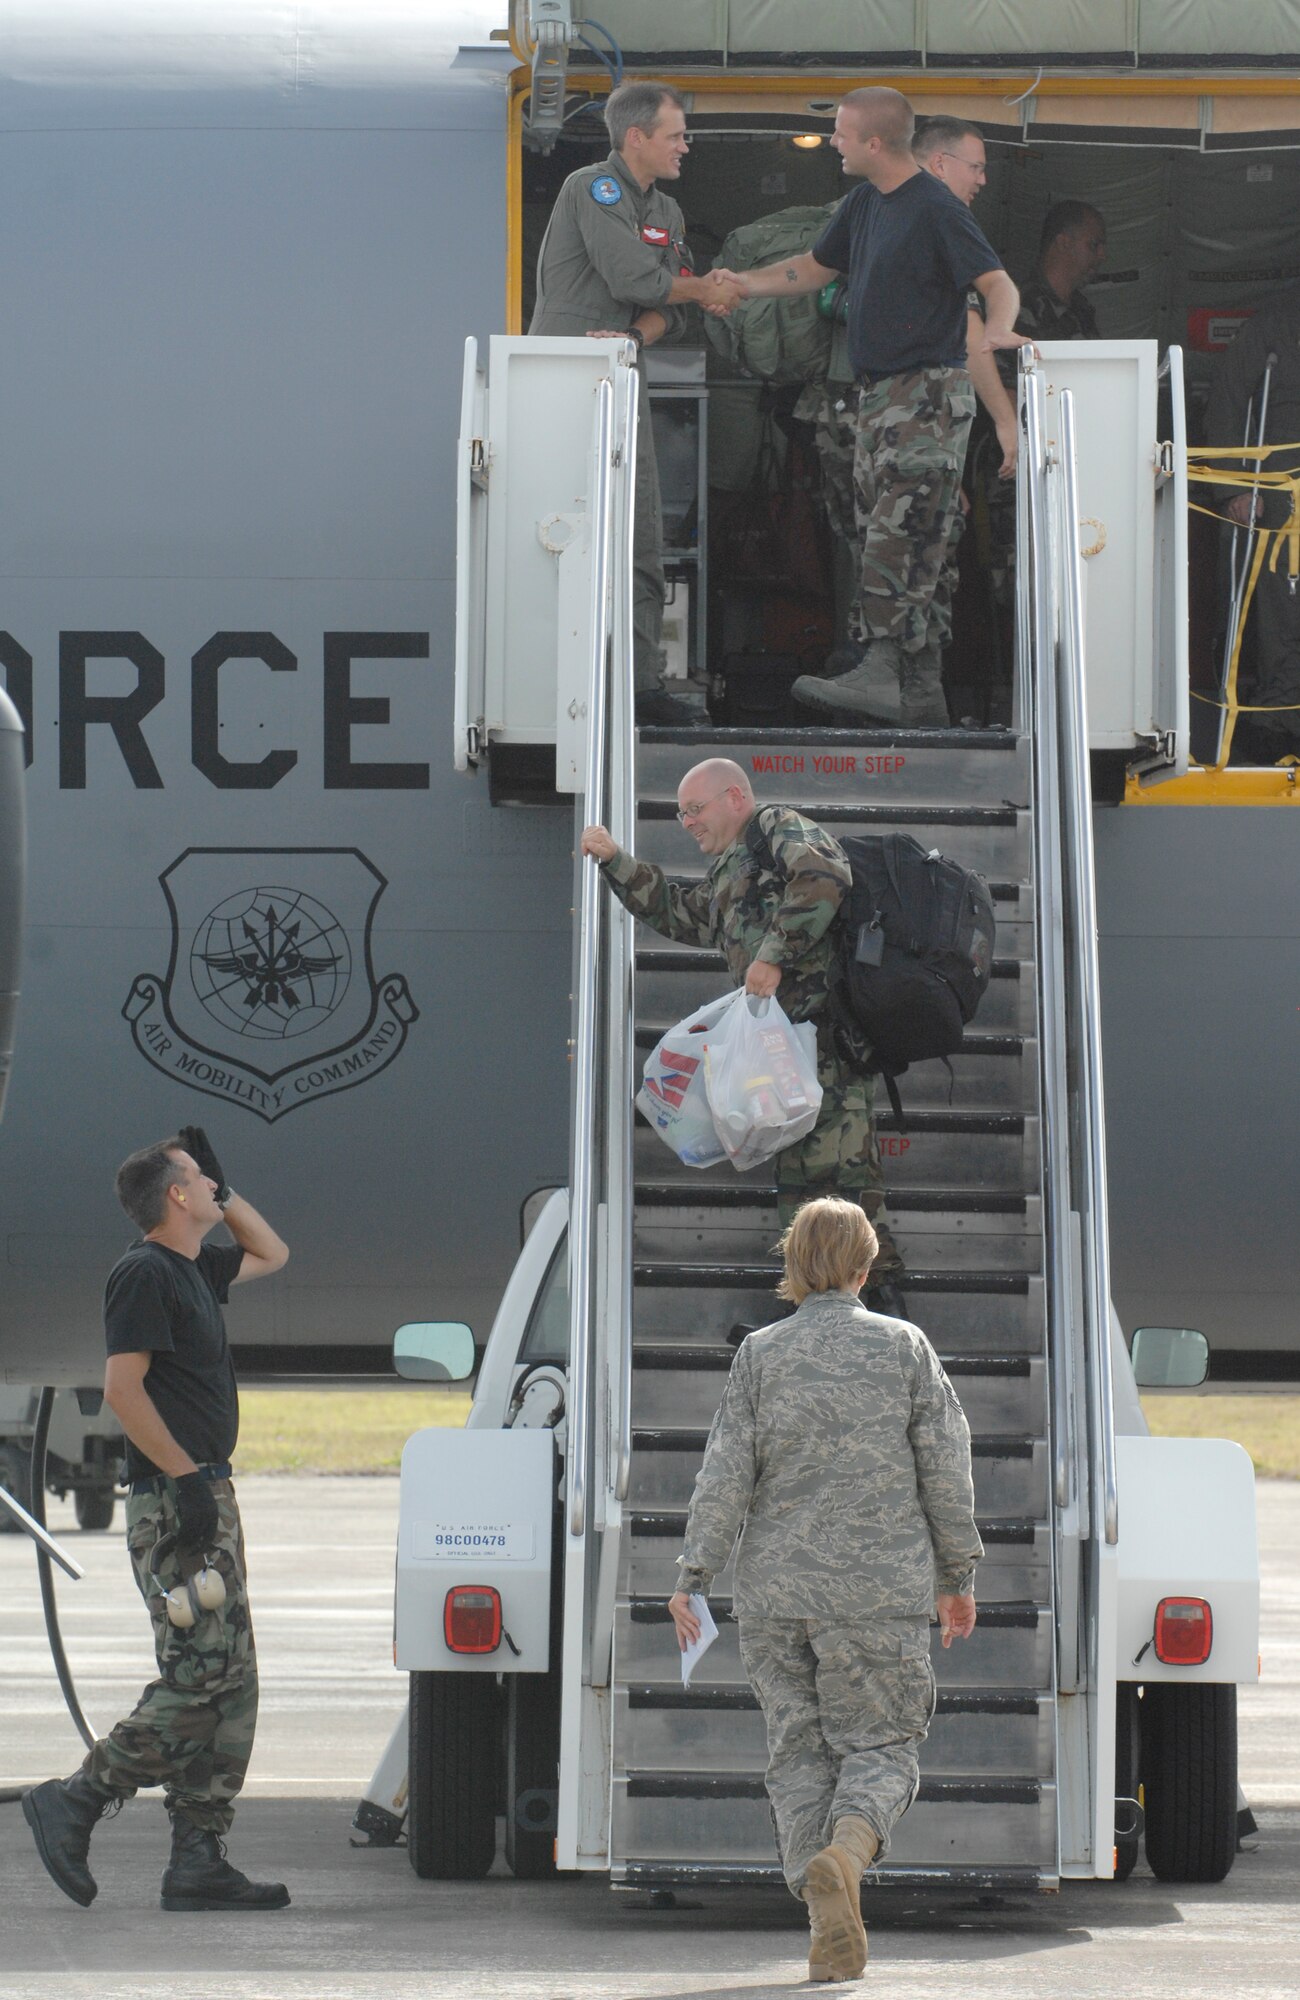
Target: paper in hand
{"x": 708, "y": 1633}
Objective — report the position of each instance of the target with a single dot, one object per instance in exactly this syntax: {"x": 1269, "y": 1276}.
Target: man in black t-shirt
{"x": 912, "y": 251}
{"x": 171, "y": 1384}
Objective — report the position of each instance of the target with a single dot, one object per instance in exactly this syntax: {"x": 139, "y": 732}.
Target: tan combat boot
{"x": 832, "y": 1885}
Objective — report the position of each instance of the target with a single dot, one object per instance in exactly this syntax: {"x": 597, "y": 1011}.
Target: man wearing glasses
{"x": 773, "y": 926}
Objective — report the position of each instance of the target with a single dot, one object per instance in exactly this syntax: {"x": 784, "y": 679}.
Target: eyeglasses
{"x": 693, "y": 812}
{"x": 976, "y": 166}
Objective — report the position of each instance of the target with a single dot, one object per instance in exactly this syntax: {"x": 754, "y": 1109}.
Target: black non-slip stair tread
{"x": 739, "y": 1697}
{"x": 862, "y": 814}
{"x": 690, "y": 1437}
{"x": 739, "y": 1194}
{"x": 975, "y": 1044}
{"x": 669, "y": 1523}
{"x": 698, "y": 958}
{"x": 715, "y": 1357}
{"x": 750, "y": 1785}
{"x": 654, "y": 1872}
{"x": 716, "y": 1275}
{"x": 815, "y": 736}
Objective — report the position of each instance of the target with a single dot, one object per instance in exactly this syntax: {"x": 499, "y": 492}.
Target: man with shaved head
{"x": 912, "y": 251}
{"x": 772, "y": 887}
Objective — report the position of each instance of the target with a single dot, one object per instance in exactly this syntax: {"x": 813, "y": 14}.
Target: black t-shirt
{"x": 910, "y": 256}
{"x": 160, "y": 1303}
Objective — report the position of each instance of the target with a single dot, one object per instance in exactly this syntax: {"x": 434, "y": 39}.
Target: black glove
{"x": 195, "y": 1141}
{"x": 196, "y": 1514}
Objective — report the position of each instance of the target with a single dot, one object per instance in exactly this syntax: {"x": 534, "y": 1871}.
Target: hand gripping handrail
{"x": 1078, "y": 841}
{"x": 591, "y": 924}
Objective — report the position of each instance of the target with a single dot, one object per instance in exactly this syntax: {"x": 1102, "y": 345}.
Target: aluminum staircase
{"x": 965, "y": 1196}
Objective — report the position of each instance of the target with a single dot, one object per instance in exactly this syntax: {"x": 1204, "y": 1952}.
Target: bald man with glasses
{"x": 774, "y": 883}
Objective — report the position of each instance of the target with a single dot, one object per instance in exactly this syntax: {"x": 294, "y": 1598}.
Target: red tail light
{"x": 471, "y": 1619}
{"x": 1184, "y": 1631}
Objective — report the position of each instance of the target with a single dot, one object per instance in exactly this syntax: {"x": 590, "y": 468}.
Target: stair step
{"x": 682, "y": 1385}
{"x": 982, "y": 1149}
{"x": 1011, "y": 1473}
{"x": 742, "y": 1194}
{"x": 955, "y": 1823}
{"x": 994, "y": 840}
{"x": 671, "y": 982}
{"x": 956, "y": 1322}
{"x": 877, "y": 765}
{"x": 924, "y": 1241}
{"x": 1016, "y": 1565}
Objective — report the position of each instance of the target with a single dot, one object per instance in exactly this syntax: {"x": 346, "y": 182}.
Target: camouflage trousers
{"x": 847, "y": 1708}
{"x": 647, "y": 558}
{"x": 834, "y": 415}
{"x": 840, "y": 1156}
{"x": 911, "y": 448}
{"x": 192, "y": 1729}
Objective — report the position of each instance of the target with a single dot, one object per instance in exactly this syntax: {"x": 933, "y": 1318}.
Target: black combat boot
{"x": 199, "y": 1877}
{"x": 62, "y": 1813}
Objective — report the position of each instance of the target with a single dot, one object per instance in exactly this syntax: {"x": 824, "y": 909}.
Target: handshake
{"x": 721, "y": 291}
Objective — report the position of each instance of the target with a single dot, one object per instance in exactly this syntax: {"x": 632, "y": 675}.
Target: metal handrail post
{"x": 1041, "y": 719}
{"x": 623, "y": 997}
{"x": 1078, "y": 817}
{"x": 582, "y": 1181}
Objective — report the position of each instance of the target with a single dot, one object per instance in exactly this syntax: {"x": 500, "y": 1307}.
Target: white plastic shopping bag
{"x": 761, "y": 1077}
{"x": 673, "y": 1096}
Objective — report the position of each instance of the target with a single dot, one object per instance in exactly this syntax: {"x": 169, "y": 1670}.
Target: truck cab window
{"x": 547, "y": 1336}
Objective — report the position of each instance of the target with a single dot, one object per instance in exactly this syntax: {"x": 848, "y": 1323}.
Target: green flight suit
{"x": 612, "y": 250}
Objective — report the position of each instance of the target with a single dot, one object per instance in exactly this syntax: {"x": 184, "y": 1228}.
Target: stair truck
{"x": 1095, "y": 1706}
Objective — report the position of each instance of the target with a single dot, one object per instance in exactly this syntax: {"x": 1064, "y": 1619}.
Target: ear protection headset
{"x": 186, "y": 1604}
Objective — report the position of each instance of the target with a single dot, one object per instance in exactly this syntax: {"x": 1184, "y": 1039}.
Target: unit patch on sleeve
{"x": 606, "y": 191}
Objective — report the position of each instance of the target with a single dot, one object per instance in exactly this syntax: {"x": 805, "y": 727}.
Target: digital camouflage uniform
{"x": 611, "y": 251}
{"x": 842, "y": 1452}
{"x": 192, "y": 1729}
{"x": 748, "y": 912}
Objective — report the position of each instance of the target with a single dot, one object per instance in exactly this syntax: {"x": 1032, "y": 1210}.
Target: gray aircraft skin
{"x": 243, "y": 260}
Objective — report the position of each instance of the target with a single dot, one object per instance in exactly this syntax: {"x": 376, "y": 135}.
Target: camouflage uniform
{"x": 192, "y": 1729}
{"x": 784, "y": 919}
{"x": 912, "y": 432}
{"x": 602, "y": 262}
{"x": 841, "y": 1451}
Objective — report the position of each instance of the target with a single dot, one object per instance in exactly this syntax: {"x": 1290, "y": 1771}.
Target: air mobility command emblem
{"x": 270, "y": 999}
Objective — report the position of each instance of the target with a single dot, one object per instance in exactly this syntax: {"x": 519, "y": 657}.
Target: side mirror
{"x": 434, "y": 1351}
{"x": 1170, "y": 1357}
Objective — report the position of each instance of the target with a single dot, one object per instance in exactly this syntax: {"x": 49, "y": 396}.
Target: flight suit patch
{"x": 650, "y": 234}
{"x": 606, "y": 191}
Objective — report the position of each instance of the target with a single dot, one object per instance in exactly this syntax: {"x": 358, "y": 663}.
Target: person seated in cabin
{"x": 840, "y": 1457}
{"x": 774, "y": 883}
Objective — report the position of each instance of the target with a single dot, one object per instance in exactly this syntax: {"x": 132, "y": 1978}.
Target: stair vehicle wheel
{"x": 1189, "y": 1777}
{"x": 1128, "y": 1765}
{"x": 16, "y": 1478}
{"x": 532, "y": 1773}
{"x": 94, "y": 1505}
{"x": 454, "y": 1761}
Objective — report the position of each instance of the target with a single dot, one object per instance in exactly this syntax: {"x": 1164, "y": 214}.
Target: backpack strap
{"x": 895, "y": 1101}
{"x": 759, "y": 845}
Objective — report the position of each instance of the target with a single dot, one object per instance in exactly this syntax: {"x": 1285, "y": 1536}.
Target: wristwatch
{"x": 635, "y": 333}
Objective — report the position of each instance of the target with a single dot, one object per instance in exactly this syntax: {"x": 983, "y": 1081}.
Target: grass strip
{"x": 323, "y": 1429}
{"x": 1268, "y": 1427}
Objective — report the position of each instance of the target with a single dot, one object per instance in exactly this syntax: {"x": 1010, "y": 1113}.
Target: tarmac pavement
{"x": 362, "y": 1927}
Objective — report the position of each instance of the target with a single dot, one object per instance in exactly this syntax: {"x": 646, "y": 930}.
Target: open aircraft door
{"x": 1133, "y": 536}
{"x": 540, "y": 481}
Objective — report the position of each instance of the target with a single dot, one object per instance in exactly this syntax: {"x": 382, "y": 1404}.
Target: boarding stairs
{"x": 963, "y": 1179}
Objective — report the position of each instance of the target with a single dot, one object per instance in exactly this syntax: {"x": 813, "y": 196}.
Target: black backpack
{"x": 915, "y": 952}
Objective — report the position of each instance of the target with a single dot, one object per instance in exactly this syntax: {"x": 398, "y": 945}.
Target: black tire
{"x": 532, "y": 1773}
{"x": 1128, "y": 1768}
{"x": 16, "y": 1478}
{"x": 94, "y": 1505}
{"x": 454, "y": 1759}
{"x": 1189, "y": 1776}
